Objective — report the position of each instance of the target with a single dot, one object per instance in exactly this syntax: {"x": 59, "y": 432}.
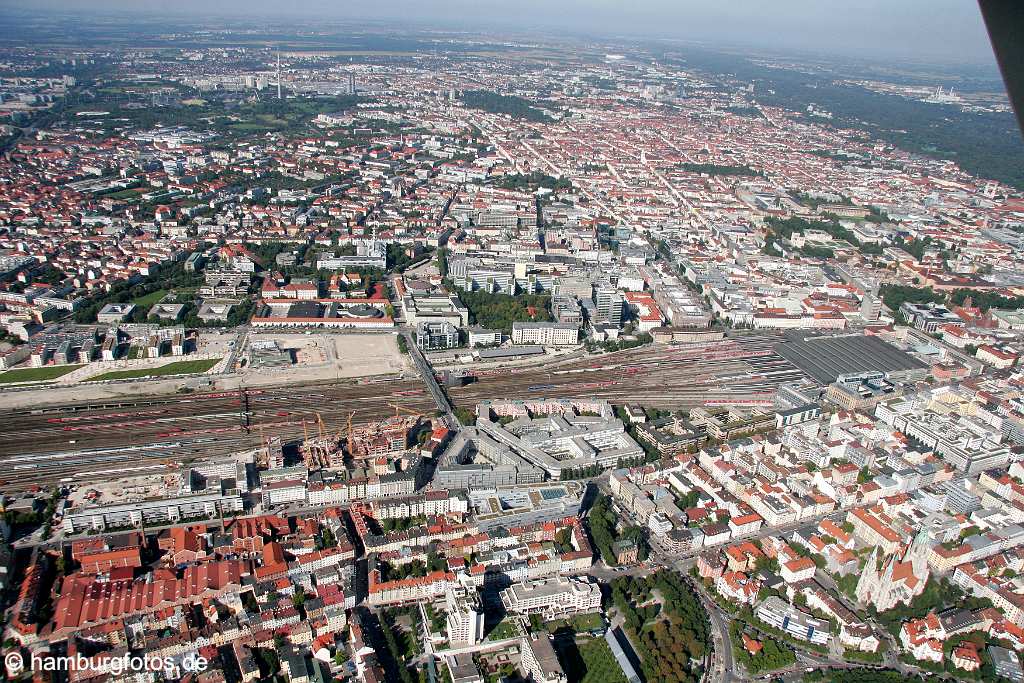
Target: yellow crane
{"x": 400, "y": 409}
{"x": 342, "y": 435}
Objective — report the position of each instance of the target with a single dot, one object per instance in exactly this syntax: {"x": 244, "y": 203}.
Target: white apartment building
{"x": 153, "y": 511}
{"x": 545, "y": 334}
{"x": 800, "y": 625}
{"x": 465, "y": 621}
{"x": 540, "y": 660}
{"x": 552, "y": 598}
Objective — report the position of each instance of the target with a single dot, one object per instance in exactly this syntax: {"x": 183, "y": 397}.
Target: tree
{"x": 718, "y": 169}
{"x": 532, "y": 182}
{"x": 516, "y": 107}
{"x": 499, "y": 311}
{"x": 894, "y": 296}
{"x": 671, "y": 641}
{"x": 434, "y": 561}
{"x": 563, "y": 539}
{"x": 442, "y": 261}
{"x": 536, "y": 623}
{"x": 601, "y": 520}
{"x": 397, "y": 660}
{"x": 269, "y": 662}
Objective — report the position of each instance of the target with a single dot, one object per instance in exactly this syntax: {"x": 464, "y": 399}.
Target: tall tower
{"x": 351, "y": 83}
{"x": 278, "y": 74}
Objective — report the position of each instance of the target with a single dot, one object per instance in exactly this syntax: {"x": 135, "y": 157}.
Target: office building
{"x": 435, "y": 336}
{"x": 610, "y": 305}
{"x": 545, "y": 334}
{"x": 802, "y": 626}
{"x": 539, "y": 659}
{"x": 553, "y": 598}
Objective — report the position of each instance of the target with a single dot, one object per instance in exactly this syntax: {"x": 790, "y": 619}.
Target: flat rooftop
{"x": 511, "y": 352}
{"x": 825, "y": 358}
{"x": 541, "y": 589}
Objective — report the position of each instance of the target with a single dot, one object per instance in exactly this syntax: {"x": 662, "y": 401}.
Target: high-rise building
{"x": 465, "y": 616}
{"x": 611, "y": 305}
{"x": 870, "y": 307}
{"x": 539, "y": 659}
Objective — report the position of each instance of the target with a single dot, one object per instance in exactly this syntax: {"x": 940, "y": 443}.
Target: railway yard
{"x": 741, "y": 370}
{"x": 89, "y": 441}
{"x": 97, "y": 440}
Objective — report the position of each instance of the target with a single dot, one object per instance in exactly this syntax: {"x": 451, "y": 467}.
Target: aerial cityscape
{"x": 337, "y": 348}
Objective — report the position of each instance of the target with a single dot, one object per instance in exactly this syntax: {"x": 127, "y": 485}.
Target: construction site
{"x": 373, "y": 444}
{"x": 95, "y": 441}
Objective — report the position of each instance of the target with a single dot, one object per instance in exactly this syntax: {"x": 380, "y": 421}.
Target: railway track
{"x": 668, "y": 377}
{"x": 85, "y": 442}
{"x": 79, "y": 442}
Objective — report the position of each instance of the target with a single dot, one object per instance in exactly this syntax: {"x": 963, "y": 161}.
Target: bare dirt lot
{"x": 320, "y": 357}
{"x": 216, "y": 342}
{"x": 332, "y": 356}
{"x": 123, "y": 489}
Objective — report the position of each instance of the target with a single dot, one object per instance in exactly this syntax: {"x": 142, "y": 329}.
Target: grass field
{"x": 36, "y": 374}
{"x": 589, "y": 661}
{"x": 505, "y": 629}
{"x": 150, "y": 299}
{"x": 184, "y": 367}
{"x": 126, "y": 194}
{"x": 578, "y": 623}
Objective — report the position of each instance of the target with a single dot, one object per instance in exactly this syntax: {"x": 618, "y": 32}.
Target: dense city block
{"x": 404, "y": 356}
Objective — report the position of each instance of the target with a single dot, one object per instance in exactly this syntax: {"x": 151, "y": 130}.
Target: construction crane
{"x": 399, "y": 409}
{"x": 349, "y": 438}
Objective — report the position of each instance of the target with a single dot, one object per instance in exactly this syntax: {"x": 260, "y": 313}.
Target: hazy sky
{"x": 939, "y": 30}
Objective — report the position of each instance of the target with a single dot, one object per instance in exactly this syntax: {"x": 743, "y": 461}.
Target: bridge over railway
{"x": 93, "y": 441}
